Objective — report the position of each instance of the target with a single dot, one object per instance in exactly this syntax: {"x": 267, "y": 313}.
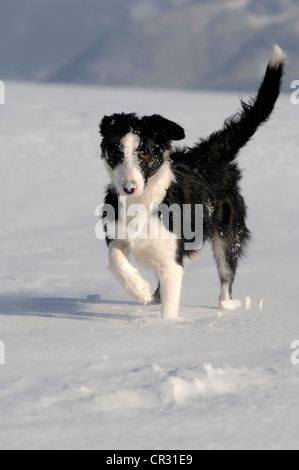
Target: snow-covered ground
{"x": 113, "y": 375}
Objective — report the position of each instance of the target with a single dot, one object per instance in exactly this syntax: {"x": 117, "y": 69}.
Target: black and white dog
{"x": 146, "y": 171}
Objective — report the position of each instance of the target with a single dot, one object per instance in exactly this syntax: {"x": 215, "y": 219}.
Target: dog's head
{"x": 135, "y": 148}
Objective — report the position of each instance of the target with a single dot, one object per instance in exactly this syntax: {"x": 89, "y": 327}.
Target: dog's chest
{"x": 140, "y": 228}
{"x": 147, "y": 237}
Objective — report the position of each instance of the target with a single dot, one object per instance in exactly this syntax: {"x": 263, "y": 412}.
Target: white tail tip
{"x": 277, "y": 57}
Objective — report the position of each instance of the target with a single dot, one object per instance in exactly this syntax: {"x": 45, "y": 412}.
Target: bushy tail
{"x": 239, "y": 129}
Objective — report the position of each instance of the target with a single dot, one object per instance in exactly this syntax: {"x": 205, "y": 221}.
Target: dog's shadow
{"x": 92, "y": 308}
{"x": 68, "y": 308}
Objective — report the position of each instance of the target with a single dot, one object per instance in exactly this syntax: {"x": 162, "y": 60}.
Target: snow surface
{"x": 113, "y": 375}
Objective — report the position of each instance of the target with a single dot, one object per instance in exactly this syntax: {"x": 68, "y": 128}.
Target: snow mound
{"x": 151, "y": 386}
{"x": 210, "y": 381}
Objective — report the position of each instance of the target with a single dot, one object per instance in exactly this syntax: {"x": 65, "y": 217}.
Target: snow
{"x": 83, "y": 372}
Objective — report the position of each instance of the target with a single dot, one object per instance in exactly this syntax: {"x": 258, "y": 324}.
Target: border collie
{"x": 146, "y": 170}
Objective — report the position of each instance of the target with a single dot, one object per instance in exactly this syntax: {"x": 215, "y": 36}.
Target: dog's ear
{"x": 106, "y": 126}
{"x": 158, "y": 127}
{"x": 118, "y": 124}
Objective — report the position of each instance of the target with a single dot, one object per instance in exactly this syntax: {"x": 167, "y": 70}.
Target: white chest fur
{"x": 157, "y": 252}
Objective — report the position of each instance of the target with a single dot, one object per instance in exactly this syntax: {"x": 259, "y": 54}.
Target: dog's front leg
{"x": 171, "y": 279}
{"x": 127, "y": 275}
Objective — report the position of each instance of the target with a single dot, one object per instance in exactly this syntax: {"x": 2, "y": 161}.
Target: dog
{"x": 147, "y": 172}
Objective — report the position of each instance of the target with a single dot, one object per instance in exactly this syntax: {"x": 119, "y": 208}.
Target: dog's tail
{"x": 239, "y": 129}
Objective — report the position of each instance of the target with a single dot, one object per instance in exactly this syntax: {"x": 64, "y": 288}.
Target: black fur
{"x": 156, "y": 135}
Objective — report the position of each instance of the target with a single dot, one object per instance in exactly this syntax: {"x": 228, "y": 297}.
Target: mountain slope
{"x": 39, "y": 37}
{"x": 209, "y": 45}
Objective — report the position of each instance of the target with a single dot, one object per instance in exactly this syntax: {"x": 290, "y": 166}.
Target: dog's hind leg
{"x": 227, "y": 266}
{"x": 229, "y": 247}
{"x": 157, "y": 296}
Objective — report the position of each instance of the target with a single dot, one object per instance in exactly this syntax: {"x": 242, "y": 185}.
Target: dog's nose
{"x": 130, "y": 187}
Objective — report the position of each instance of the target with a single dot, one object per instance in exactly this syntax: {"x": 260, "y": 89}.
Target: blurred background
{"x": 190, "y": 44}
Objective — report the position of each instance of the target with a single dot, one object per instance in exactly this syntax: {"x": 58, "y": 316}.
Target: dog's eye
{"x": 118, "y": 153}
{"x": 144, "y": 156}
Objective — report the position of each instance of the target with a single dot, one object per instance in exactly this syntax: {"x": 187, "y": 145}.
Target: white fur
{"x": 158, "y": 254}
{"x": 170, "y": 289}
{"x": 130, "y": 144}
{"x": 128, "y": 173}
{"x": 277, "y": 57}
{"x": 127, "y": 275}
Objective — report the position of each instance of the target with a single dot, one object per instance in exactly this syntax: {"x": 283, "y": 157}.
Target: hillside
{"x": 206, "y": 45}
{"x": 197, "y": 44}
{"x": 40, "y": 37}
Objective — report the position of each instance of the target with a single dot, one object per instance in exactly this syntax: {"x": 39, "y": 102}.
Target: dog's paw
{"x": 169, "y": 313}
{"x": 141, "y": 291}
{"x": 137, "y": 287}
{"x": 231, "y": 304}
{"x": 144, "y": 292}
